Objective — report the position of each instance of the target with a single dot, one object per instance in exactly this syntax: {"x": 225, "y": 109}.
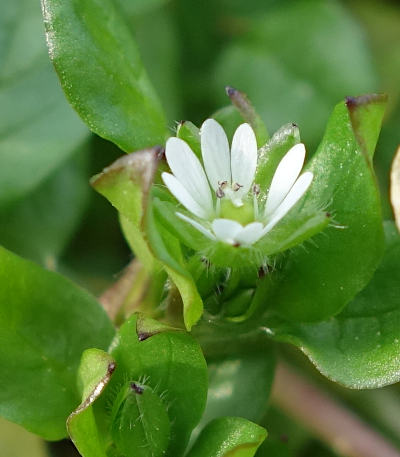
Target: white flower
{"x": 222, "y": 195}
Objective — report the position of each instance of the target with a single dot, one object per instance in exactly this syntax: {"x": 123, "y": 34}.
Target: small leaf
{"x": 126, "y": 184}
{"x": 162, "y": 361}
{"x": 317, "y": 282}
{"x": 271, "y": 153}
{"x": 366, "y": 114}
{"x": 228, "y": 437}
{"x": 110, "y": 90}
{"x": 359, "y": 348}
{"x": 94, "y": 374}
{"x": 45, "y": 322}
{"x": 395, "y": 187}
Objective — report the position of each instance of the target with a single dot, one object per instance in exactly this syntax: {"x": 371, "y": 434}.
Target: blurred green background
{"x": 295, "y": 59}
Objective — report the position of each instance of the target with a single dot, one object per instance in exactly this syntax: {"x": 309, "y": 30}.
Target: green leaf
{"x": 228, "y": 437}
{"x": 101, "y": 72}
{"x": 40, "y": 225}
{"x": 170, "y": 363}
{"x": 45, "y": 324}
{"x": 316, "y": 282}
{"x": 140, "y": 426}
{"x": 126, "y": 184}
{"x": 94, "y": 374}
{"x": 38, "y": 130}
{"x": 264, "y": 63}
{"x": 359, "y": 348}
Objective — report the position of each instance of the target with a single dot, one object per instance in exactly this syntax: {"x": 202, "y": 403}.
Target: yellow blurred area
{"x": 17, "y": 442}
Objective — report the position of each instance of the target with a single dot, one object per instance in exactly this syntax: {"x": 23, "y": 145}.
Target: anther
{"x": 256, "y": 189}
{"x": 236, "y": 186}
{"x": 220, "y": 193}
{"x": 222, "y": 184}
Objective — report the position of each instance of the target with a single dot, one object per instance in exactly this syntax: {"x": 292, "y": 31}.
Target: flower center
{"x": 243, "y": 214}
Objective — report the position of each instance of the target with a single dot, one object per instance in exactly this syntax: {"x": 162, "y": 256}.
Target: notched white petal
{"x": 197, "y": 226}
{"x": 285, "y": 176}
{"x": 187, "y": 168}
{"x": 183, "y": 196}
{"x": 226, "y": 229}
{"x": 244, "y": 157}
{"x": 215, "y": 153}
{"x": 250, "y": 233}
{"x": 296, "y": 192}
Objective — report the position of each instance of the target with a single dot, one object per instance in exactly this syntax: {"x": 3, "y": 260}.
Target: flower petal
{"x": 188, "y": 170}
{"x": 296, "y": 192}
{"x": 197, "y": 226}
{"x": 183, "y": 196}
{"x": 226, "y": 229}
{"x": 250, "y": 233}
{"x": 215, "y": 152}
{"x": 285, "y": 176}
{"x": 244, "y": 158}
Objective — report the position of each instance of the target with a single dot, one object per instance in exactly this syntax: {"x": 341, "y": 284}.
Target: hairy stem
{"x": 331, "y": 422}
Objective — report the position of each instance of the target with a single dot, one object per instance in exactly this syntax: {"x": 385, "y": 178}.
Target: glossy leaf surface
{"x": 229, "y": 437}
{"x": 46, "y": 322}
{"x": 316, "y": 282}
{"x": 110, "y": 90}
{"x": 170, "y": 363}
{"x": 359, "y": 348}
{"x": 94, "y": 374}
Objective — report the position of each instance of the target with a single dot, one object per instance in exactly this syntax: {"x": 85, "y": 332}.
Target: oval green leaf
{"x": 100, "y": 70}
{"x": 46, "y": 322}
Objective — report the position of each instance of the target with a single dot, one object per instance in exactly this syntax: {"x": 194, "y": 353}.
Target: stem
{"x": 331, "y": 422}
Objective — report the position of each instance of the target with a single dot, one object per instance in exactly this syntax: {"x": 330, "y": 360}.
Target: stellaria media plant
{"x": 239, "y": 243}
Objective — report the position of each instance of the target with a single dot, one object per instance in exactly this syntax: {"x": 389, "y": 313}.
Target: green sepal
{"x": 249, "y": 114}
{"x": 228, "y": 437}
{"x": 95, "y": 372}
{"x": 229, "y": 118}
{"x": 188, "y": 132}
{"x": 127, "y": 184}
{"x": 272, "y": 153}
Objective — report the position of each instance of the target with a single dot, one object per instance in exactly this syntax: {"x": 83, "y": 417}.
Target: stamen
{"x": 222, "y": 184}
{"x": 236, "y": 186}
{"x": 220, "y": 193}
{"x": 256, "y": 192}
